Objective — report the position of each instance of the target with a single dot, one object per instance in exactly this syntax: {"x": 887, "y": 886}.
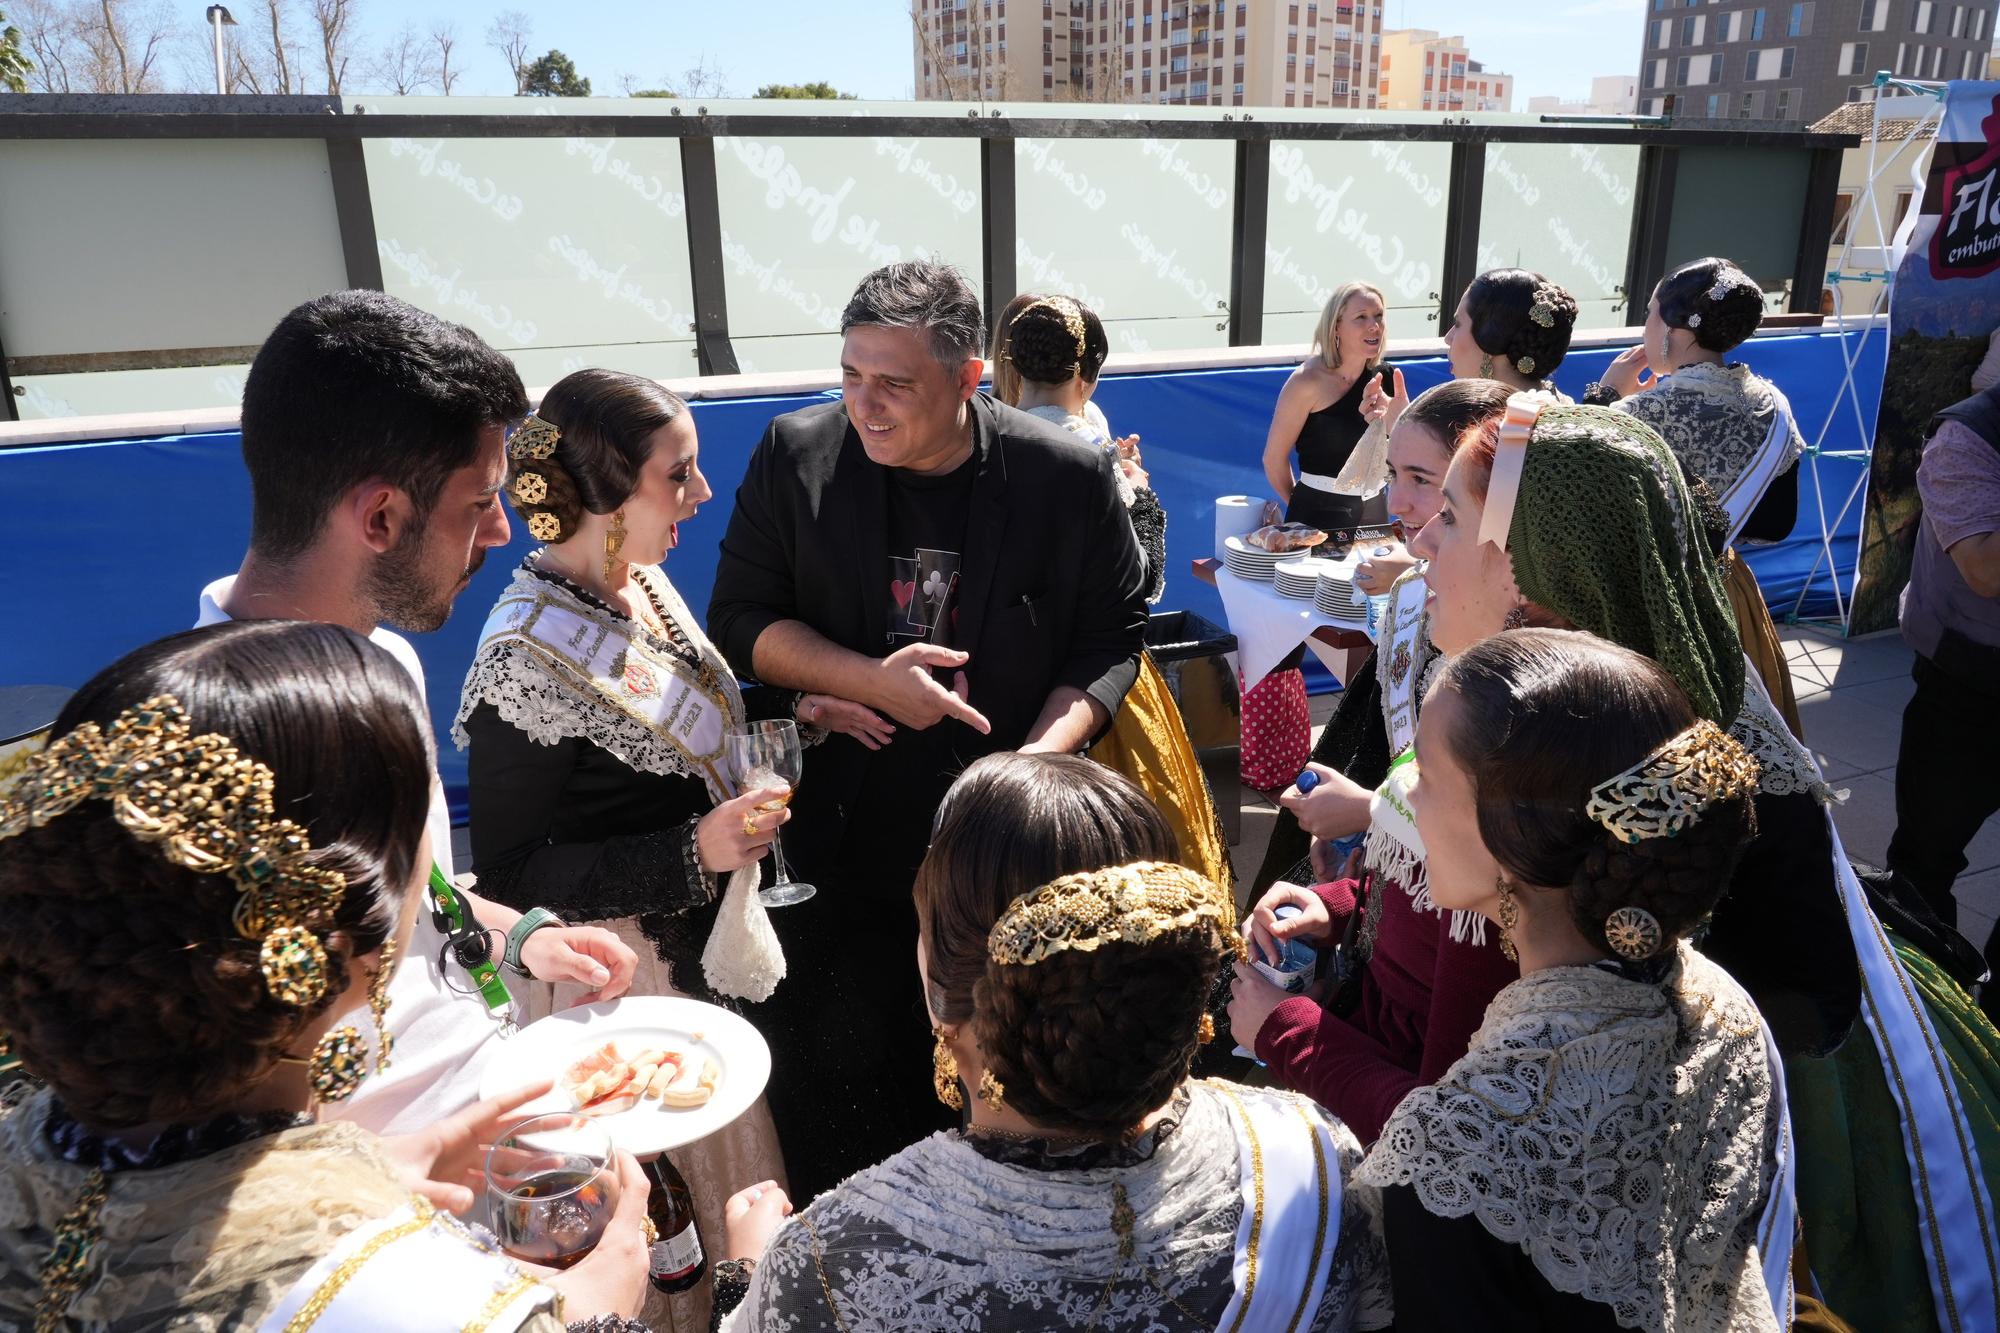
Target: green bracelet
{"x": 531, "y": 921}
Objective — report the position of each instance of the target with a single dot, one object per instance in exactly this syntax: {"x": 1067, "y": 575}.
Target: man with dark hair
{"x": 961, "y": 567}
{"x": 375, "y": 437}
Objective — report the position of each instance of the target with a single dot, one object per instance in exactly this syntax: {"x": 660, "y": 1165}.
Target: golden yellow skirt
{"x": 1148, "y": 743}
{"x": 1760, "y": 637}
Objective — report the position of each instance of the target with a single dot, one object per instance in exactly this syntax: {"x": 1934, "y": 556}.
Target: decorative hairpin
{"x": 1727, "y": 281}
{"x": 1525, "y": 364}
{"x": 535, "y": 439}
{"x": 1694, "y": 320}
{"x": 1129, "y": 904}
{"x": 531, "y": 488}
{"x": 1072, "y": 318}
{"x": 1662, "y": 794}
{"x": 545, "y": 527}
{"x": 1543, "y": 311}
{"x": 210, "y": 808}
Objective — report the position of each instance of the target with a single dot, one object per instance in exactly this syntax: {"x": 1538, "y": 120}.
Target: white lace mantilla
{"x": 1716, "y": 419}
{"x": 940, "y": 1237}
{"x": 1620, "y": 1133}
{"x": 1785, "y": 766}
{"x": 549, "y": 707}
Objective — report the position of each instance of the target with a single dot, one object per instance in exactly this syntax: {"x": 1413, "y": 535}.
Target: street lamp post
{"x": 219, "y": 18}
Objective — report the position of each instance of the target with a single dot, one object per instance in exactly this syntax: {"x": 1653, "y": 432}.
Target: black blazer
{"x": 1053, "y": 585}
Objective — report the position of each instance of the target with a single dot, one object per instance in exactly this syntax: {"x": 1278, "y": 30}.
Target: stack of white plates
{"x": 1300, "y": 576}
{"x": 1251, "y": 562}
{"x": 1336, "y": 596}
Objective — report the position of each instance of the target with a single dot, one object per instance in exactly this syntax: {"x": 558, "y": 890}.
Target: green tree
{"x": 14, "y": 64}
{"x": 807, "y": 91}
{"x": 554, "y": 75}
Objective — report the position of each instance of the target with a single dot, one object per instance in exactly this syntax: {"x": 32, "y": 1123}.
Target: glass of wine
{"x": 552, "y": 1185}
{"x": 767, "y": 754}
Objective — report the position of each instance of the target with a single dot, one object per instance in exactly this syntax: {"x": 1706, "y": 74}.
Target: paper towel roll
{"x": 1236, "y": 515}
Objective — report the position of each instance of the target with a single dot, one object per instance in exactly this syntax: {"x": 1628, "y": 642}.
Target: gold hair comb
{"x": 1129, "y": 904}
{"x": 1662, "y": 794}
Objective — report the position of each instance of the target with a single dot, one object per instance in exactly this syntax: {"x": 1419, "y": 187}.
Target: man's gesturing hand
{"x": 908, "y": 692}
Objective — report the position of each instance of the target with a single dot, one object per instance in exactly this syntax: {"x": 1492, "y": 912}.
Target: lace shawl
{"x": 1620, "y": 1133}
{"x": 940, "y": 1237}
{"x": 205, "y": 1246}
{"x": 1715, "y": 419}
{"x": 549, "y": 708}
{"x": 1786, "y": 767}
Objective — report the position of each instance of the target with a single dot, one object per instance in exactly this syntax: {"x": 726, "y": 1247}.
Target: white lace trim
{"x": 1618, "y": 1133}
{"x": 1787, "y": 767}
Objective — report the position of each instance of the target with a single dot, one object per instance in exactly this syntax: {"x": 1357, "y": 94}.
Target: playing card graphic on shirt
{"x": 920, "y": 590}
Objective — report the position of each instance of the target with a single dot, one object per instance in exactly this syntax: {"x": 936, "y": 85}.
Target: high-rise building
{"x": 1422, "y": 71}
{"x": 1167, "y": 52}
{"x": 1800, "y": 60}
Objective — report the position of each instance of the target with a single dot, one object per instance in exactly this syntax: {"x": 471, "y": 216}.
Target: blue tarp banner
{"x": 114, "y": 540}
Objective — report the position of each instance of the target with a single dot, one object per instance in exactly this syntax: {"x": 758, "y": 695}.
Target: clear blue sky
{"x": 863, "y": 46}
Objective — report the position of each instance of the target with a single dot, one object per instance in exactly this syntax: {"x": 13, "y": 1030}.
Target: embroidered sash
{"x": 1777, "y": 1229}
{"x": 1406, "y": 650}
{"x": 1290, "y": 1180}
{"x": 689, "y": 710}
{"x": 414, "y": 1271}
{"x": 1770, "y": 459}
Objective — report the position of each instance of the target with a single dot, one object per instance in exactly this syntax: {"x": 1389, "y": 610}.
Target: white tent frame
{"x": 1849, "y": 395}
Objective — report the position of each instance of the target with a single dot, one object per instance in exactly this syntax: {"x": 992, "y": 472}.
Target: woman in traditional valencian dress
{"x": 1612, "y": 1152}
{"x": 1727, "y": 424}
{"x": 1066, "y": 960}
{"x": 206, "y": 878}
{"x": 595, "y": 713}
{"x": 1052, "y": 348}
{"x": 1579, "y": 517}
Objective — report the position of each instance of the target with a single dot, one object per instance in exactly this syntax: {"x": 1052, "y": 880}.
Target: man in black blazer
{"x": 960, "y": 567}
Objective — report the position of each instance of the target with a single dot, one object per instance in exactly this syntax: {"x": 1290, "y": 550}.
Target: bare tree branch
{"x": 509, "y": 34}
{"x": 55, "y": 45}
{"x": 405, "y": 65}
{"x": 334, "y": 20}
{"x": 943, "y": 68}
{"x": 444, "y": 40}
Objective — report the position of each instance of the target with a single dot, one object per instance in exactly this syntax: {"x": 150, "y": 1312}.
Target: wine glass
{"x": 767, "y": 754}
{"x": 552, "y": 1185}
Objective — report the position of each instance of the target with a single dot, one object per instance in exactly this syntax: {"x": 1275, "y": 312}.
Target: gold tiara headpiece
{"x": 1662, "y": 794}
{"x": 209, "y": 808}
{"x": 534, "y": 439}
{"x": 1129, "y": 904}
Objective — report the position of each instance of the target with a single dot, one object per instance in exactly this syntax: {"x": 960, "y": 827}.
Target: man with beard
{"x": 375, "y": 438}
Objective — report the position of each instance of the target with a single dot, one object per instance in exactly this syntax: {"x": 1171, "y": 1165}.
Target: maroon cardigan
{"x": 1422, "y": 997}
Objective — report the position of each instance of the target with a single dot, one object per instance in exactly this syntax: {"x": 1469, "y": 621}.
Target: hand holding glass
{"x": 768, "y": 754}
{"x": 552, "y": 1185}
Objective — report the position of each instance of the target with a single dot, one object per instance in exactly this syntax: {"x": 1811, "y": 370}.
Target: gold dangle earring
{"x": 992, "y": 1091}
{"x": 337, "y": 1065}
{"x": 944, "y": 1072}
{"x": 378, "y": 1002}
{"x": 614, "y": 542}
{"x": 1486, "y": 368}
{"x": 1510, "y": 918}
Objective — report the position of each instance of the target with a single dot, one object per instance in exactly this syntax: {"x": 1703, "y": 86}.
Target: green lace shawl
{"x": 1606, "y": 535}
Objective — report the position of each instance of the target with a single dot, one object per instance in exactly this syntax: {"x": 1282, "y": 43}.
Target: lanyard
{"x": 467, "y": 943}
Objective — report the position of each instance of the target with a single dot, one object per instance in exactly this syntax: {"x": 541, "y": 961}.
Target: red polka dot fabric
{"x": 1277, "y": 731}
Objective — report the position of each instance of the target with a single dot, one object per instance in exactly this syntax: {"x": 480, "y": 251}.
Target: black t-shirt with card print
{"x": 927, "y": 520}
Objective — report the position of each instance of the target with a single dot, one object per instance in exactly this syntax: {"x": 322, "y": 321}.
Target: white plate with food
{"x": 658, "y": 1071}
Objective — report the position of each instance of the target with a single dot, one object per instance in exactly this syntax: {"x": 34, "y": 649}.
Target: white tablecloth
{"x": 1268, "y": 625}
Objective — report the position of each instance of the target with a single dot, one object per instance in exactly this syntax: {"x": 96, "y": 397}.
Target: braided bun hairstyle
{"x": 124, "y": 984}
{"x": 1086, "y": 1043}
{"x": 1544, "y": 716}
{"x": 1521, "y": 318}
{"x": 1007, "y": 379}
{"x": 1714, "y": 300}
{"x": 607, "y": 421}
{"x": 1053, "y": 339}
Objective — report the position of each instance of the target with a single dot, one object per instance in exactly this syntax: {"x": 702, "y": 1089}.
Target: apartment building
{"x": 1164, "y": 52}
{"x": 1423, "y": 71}
{"x": 1610, "y": 95}
{"x": 1800, "y": 60}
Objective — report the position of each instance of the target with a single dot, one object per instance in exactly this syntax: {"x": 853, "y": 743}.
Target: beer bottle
{"x": 676, "y": 1262}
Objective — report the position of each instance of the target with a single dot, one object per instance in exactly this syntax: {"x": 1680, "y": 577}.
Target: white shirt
{"x": 442, "y": 1038}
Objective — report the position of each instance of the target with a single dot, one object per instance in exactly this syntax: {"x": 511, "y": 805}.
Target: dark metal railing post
{"x": 354, "y": 210}
{"x": 1461, "y": 223}
{"x": 714, "y": 354}
{"x": 1652, "y": 220}
{"x": 1816, "y": 230}
{"x": 1249, "y": 230}
{"x": 998, "y": 273}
